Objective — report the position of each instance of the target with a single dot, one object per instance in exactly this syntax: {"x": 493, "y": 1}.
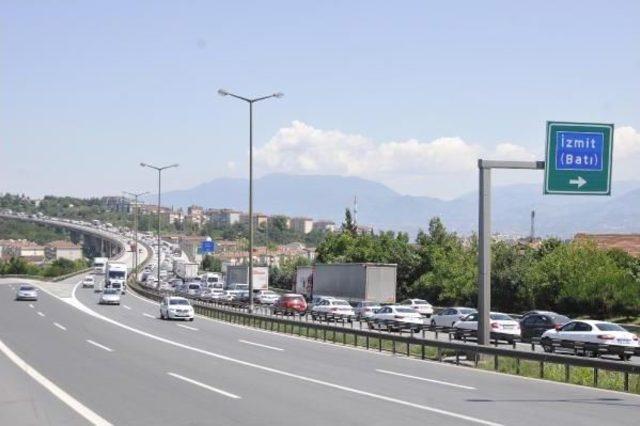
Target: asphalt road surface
{"x": 123, "y": 365}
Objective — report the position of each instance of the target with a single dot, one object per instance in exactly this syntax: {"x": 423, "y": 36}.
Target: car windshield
{"x": 501, "y": 317}
{"x": 292, "y": 298}
{"x": 111, "y": 291}
{"x": 178, "y": 302}
{"x": 194, "y": 287}
{"x": 466, "y": 311}
{"x": 116, "y": 274}
{"x": 27, "y": 288}
{"x": 340, "y": 303}
{"x": 405, "y": 311}
{"x": 605, "y": 326}
{"x": 420, "y": 302}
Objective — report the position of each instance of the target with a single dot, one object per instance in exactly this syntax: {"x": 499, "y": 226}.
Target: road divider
{"x": 204, "y": 386}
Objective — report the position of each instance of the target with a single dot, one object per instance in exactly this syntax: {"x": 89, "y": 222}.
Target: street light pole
{"x": 135, "y": 224}
{"x": 159, "y": 169}
{"x": 250, "y": 101}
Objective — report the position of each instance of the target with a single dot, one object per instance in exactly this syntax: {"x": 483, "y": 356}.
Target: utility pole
{"x": 135, "y": 224}
{"x": 159, "y": 170}
{"x": 250, "y": 101}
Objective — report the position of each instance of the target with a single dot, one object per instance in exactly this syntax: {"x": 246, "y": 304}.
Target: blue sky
{"x": 421, "y": 89}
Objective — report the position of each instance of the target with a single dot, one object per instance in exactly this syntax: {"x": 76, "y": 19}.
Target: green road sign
{"x": 578, "y": 158}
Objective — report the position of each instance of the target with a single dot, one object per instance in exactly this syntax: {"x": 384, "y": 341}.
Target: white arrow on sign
{"x": 580, "y": 181}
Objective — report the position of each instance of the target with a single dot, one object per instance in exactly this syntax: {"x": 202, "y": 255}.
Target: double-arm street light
{"x": 159, "y": 169}
{"x": 250, "y": 101}
{"x": 135, "y": 223}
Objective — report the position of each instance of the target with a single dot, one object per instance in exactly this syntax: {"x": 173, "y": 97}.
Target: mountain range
{"x": 326, "y": 197}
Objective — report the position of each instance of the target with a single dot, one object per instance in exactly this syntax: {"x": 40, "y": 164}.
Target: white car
{"x": 423, "y": 307}
{"x": 590, "y": 331}
{"x": 110, "y": 296}
{"x": 172, "y": 307}
{"x": 88, "y": 281}
{"x": 502, "y": 326}
{"x": 449, "y": 316}
{"x": 367, "y": 309}
{"x": 27, "y": 292}
{"x": 265, "y": 297}
{"x": 337, "y": 307}
{"x": 212, "y": 294}
{"x": 397, "y": 317}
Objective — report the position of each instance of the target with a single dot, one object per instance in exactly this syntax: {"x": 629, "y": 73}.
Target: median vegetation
{"x": 57, "y": 268}
{"x": 575, "y": 278}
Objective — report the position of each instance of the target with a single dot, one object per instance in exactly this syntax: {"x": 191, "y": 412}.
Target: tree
{"x": 348, "y": 225}
{"x": 211, "y": 263}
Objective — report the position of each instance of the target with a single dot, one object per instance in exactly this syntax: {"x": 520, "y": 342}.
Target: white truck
{"x": 240, "y": 274}
{"x": 100, "y": 265}
{"x": 116, "y": 274}
{"x": 186, "y": 270}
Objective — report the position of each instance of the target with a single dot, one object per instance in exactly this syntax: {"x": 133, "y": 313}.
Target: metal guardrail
{"x": 413, "y": 345}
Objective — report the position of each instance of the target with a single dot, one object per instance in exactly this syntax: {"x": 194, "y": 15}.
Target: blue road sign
{"x": 579, "y": 151}
{"x": 207, "y": 247}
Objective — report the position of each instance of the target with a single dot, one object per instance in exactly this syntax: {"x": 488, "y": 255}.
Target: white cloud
{"x": 445, "y": 167}
{"x": 303, "y": 149}
{"x": 626, "y": 142}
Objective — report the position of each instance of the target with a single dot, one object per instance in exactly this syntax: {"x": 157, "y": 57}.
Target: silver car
{"x": 110, "y": 296}
{"x": 27, "y": 292}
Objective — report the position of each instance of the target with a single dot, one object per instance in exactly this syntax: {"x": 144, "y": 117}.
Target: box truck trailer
{"x": 352, "y": 281}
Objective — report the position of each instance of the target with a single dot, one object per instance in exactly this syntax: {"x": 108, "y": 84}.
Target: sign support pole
{"x": 484, "y": 238}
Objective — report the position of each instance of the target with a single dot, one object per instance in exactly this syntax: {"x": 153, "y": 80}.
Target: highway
{"x": 127, "y": 366}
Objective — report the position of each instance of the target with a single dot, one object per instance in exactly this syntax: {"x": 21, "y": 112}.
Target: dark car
{"x": 534, "y": 324}
{"x": 290, "y": 303}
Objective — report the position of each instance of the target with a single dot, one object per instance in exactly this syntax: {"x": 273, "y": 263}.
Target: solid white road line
{"x": 260, "y": 345}
{"x": 202, "y": 385}
{"x": 73, "y": 403}
{"x": 187, "y": 327}
{"x": 61, "y": 327}
{"x": 126, "y": 307}
{"x": 149, "y": 315}
{"x": 99, "y": 345}
{"x": 440, "y": 382}
{"x": 75, "y": 302}
{"x": 41, "y": 314}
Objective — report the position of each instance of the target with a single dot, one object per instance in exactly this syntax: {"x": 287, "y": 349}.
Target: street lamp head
{"x": 173, "y": 165}
{"x": 278, "y": 95}
{"x": 143, "y": 164}
{"x": 222, "y": 92}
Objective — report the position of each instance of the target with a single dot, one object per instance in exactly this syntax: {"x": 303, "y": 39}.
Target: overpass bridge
{"x": 96, "y": 242}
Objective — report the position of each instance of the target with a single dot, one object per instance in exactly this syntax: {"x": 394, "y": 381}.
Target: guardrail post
{"x": 495, "y": 362}
{"x": 626, "y": 382}
{"x": 380, "y": 343}
{"x": 393, "y": 346}
{"x": 595, "y": 377}
{"x": 408, "y": 350}
{"x": 542, "y": 369}
{"x": 422, "y": 354}
{"x": 567, "y": 373}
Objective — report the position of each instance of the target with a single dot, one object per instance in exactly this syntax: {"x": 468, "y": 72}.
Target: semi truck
{"x": 116, "y": 274}
{"x": 239, "y": 274}
{"x": 185, "y": 270}
{"x": 100, "y": 265}
{"x": 374, "y": 282}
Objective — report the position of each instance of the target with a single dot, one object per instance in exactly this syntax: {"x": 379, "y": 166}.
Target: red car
{"x": 290, "y": 303}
